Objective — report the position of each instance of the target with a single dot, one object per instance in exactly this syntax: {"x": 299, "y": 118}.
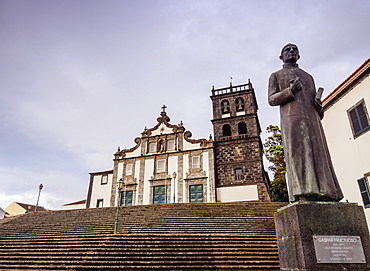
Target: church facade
{"x": 167, "y": 166}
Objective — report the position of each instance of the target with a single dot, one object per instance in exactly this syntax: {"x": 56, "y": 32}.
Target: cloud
{"x": 22, "y": 185}
{"x": 78, "y": 80}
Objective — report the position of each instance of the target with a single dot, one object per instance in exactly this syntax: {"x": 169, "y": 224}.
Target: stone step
{"x": 142, "y": 237}
{"x": 207, "y": 266}
{"x": 155, "y": 247}
{"x": 154, "y": 250}
{"x": 118, "y": 238}
{"x": 235, "y": 236}
{"x": 87, "y": 260}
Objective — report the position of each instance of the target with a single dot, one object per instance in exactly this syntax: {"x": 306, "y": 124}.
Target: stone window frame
{"x": 363, "y": 184}
{"x": 99, "y": 203}
{"x": 195, "y": 181}
{"x": 130, "y": 184}
{"x": 161, "y": 169}
{"x": 196, "y": 164}
{"x": 239, "y": 175}
{"x": 242, "y": 130}
{"x": 129, "y": 169}
{"x": 223, "y": 111}
{"x": 158, "y": 182}
{"x": 152, "y": 147}
{"x": 190, "y": 161}
{"x": 104, "y": 179}
{"x": 236, "y": 104}
{"x": 133, "y": 196}
{"x": 237, "y": 172}
{"x": 363, "y": 130}
{"x": 189, "y": 189}
{"x": 174, "y": 145}
{"x": 226, "y": 131}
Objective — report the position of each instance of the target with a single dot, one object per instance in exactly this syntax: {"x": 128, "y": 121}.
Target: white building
{"x": 81, "y": 204}
{"x": 100, "y": 188}
{"x": 346, "y": 124}
{"x": 165, "y": 166}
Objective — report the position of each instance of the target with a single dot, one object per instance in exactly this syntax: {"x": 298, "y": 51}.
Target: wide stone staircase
{"x": 209, "y": 236}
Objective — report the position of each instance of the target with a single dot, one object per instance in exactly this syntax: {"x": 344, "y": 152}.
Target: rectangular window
{"x": 104, "y": 179}
{"x": 152, "y": 147}
{"x": 126, "y": 198}
{"x": 171, "y": 145}
{"x": 159, "y": 194}
{"x": 238, "y": 171}
{"x": 238, "y": 174}
{"x": 99, "y": 203}
{"x": 364, "y": 189}
{"x": 196, "y": 193}
{"x": 129, "y": 168}
{"x": 359, "y": 118}
{"x": 161, "y": 165}
{"x": 195, "y": 162}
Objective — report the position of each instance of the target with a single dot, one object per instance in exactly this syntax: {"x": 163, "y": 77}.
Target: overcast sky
{"x": 80, "y": 78}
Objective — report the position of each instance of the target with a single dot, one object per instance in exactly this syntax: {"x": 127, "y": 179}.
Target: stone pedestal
{"x": 297, "y": 224}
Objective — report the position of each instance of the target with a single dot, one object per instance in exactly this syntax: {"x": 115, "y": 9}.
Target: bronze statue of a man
{"x": 310, "y": 173}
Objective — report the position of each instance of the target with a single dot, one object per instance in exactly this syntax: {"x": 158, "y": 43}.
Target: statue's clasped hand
{"x": 295, "y": 85}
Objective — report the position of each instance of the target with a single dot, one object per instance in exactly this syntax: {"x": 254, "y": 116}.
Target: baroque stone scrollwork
{"x": 203, "y": 142}
{"x": 122, "y": 153}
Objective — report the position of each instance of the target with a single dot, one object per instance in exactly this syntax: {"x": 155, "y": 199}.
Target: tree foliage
{"x": 274, "y": 152}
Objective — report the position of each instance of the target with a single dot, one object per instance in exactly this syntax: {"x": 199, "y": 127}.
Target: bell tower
{"x": 240, "y": 175}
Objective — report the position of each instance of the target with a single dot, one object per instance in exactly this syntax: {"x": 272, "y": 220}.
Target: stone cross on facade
{"x": 164, "y": 108}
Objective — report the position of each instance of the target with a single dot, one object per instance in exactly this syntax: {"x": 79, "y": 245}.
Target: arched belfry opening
{"x": 225, "y": 107}
{"x": 226, "y": 130}
{"x": 239, "y": 104}
{"x": 242, "y": 128}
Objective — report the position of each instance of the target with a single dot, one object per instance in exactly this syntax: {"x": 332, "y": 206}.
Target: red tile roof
{"x": 75, "y": 203}
{"x": 31, "y": 208}
{"x": 346, "y": 85}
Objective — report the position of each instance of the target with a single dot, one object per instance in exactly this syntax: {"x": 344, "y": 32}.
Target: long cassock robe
{"x": 310, "y": 173}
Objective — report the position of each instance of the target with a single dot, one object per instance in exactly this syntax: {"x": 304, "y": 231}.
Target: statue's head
{"x": 290, "y": 53}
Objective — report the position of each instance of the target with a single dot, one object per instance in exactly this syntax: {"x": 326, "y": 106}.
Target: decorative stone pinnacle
{"x": 163, "y": 117}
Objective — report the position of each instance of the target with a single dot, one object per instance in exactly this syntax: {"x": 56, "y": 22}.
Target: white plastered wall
{"x": 190, "y": 146}
{"x": 206, "y": 169}
{"x": 350, "y": 156}
{"x": 149, "y": 167}
{"x": 185, "y": 169}
{"x": 162, "y": 129}
{"x": 101, "y": 191}
{"x": 137, "y": 176}
{"x": 134, "y": 153}
{"x": 173, "y": 167}
{"x": 237, "y": 193}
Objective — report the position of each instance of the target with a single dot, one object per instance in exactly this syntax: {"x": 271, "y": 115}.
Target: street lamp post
{"x": 174, "y": 186}
{"x": 119, "y": 188}
{"x": 165, "y": 186}
{"x": 38, "y": 197}
{"x": 124, "y": 195}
